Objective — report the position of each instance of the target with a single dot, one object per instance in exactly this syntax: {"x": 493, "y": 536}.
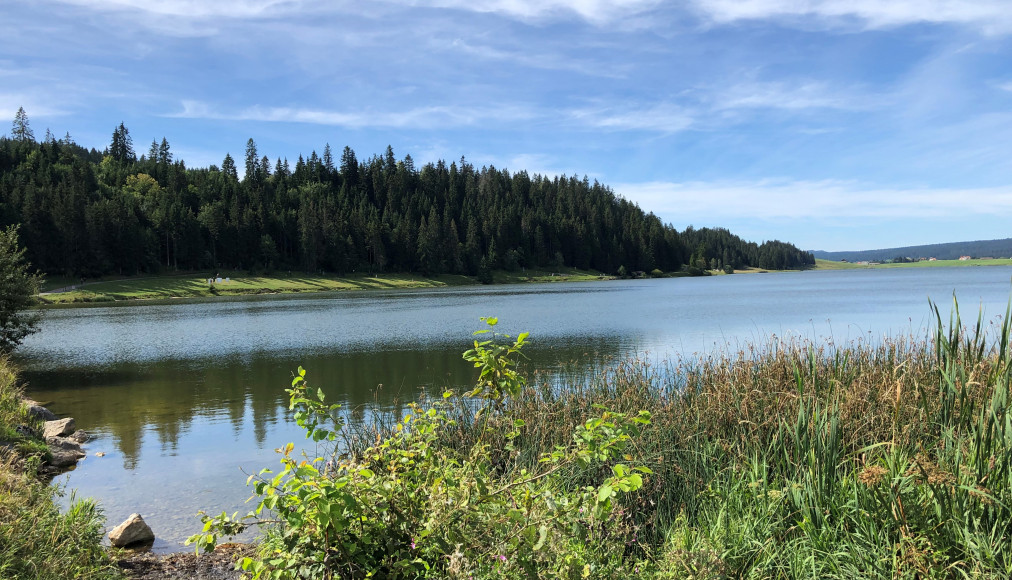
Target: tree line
{"x": 85, "y": 212}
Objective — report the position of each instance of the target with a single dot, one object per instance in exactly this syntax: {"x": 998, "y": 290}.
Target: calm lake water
{"x": 186, "y": 398}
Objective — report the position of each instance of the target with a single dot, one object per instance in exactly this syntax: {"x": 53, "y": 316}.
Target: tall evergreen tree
{"x": 252, "y": 161}
{"x": 164, "y": 155}
{"x": 21, "y": 130}
{"x": 328, "y": 159}
{"x": 122, "y": 147}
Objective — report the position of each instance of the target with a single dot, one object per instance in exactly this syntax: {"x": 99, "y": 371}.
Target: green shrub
{"x": 413, "y": 506}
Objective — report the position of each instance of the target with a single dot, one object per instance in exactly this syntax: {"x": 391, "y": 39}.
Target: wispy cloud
{"x": 417, "y": 118}
{"x": 710, "y": 108}
{"x": 795, "y": 96}
{"x": 830, "y": 199}
{"x": 989, "y": 16}
{"x": 35, "y": 106}
{"x": 1006, "y": 86}
{"x": 194, "y": 8}
{"x": 536, "y": 60}
{"x": 660, "y": 118}
{"x": 597, "y": 12}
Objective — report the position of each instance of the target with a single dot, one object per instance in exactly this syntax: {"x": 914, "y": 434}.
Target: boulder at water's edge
{"x": 133, "y": 531}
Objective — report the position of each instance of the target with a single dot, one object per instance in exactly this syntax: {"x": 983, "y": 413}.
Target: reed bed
{"x": 795, "y": 459}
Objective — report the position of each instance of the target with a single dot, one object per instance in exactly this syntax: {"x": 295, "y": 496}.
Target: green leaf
{"x": 542, "y": 535}
{"x": 604, "y": 493}
{"x": 635, "y": 480}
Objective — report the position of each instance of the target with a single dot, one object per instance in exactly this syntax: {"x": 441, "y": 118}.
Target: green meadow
{"x": 195, "y": 285}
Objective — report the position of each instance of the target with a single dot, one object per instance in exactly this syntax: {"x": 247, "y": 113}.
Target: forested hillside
{"x": 88, "y": 213}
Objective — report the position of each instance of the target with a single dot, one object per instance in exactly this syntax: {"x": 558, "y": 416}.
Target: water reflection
{"x": 125, "y": 402}
{"x": 185, "y": 397}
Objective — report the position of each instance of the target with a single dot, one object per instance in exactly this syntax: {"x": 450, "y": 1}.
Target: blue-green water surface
{"x": 187, "y": 398}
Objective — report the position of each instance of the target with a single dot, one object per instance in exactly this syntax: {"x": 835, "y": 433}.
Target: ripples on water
{"x": 186, "y": 398}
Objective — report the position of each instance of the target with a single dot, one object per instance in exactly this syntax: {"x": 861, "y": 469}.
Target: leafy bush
{"x": 412, "y": 505}
{"x": 19, "y": 288}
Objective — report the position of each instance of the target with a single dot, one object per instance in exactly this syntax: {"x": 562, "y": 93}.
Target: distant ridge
{"x": 950, "y": 251}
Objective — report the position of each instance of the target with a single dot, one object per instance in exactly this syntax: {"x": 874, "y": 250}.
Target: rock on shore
{"x": 59, "y": 428}
{"x": 133, "y": 531}
{"x": 62, "y": 437}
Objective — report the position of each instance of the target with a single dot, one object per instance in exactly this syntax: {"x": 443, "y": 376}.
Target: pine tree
{"x": 21, "y": 131}
{"x": 252, "y": 161}
{"x": 122, "y": 147}
{"x": 328, "y": 158}
{"x": 228, "y": 168}
{"x": 164, "y": 155}
{"x": 349, "y": 166}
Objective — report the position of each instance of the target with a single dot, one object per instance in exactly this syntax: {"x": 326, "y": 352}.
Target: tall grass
{"x": 798, "y": 459}
{"x": 37, "y": 540}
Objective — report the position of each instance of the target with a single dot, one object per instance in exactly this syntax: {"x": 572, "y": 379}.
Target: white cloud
{"x": 792, "y": 96}
{"x": 193, "y": 8}
{"x": 538, "y": 60}
{"x": 594, "y": 11}
{"x": 661, "y": 118}
{"x": 35, "y": 107}
{"x": 990, "y": 16}
{"x": 418, "y": 118}
{"x": 713, "y": 202}
{"x": 1007, "y": 86}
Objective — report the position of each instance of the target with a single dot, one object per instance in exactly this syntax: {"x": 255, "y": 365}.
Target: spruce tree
{"x": 21, "y": 131}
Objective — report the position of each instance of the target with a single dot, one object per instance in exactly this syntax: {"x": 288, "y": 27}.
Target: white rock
{"x": 132, "y": 531}
{"x": 59, "y": 428}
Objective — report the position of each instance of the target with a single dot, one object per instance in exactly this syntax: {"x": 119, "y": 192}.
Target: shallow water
{"x": 186, "y": 398}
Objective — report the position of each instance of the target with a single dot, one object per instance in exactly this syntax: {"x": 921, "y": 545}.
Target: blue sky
{"x": 833, "y": 124}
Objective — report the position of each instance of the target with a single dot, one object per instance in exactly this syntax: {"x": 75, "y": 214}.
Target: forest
{"x": 84, "y": 212}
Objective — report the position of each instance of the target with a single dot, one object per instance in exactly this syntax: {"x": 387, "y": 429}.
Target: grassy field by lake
{"x": 195, "y": 285}
{"x": 62, "y": 290}
{"x": 834, "y": 265}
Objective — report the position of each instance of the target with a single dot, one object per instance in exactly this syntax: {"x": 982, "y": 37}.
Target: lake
{"x": 186, "y": 398}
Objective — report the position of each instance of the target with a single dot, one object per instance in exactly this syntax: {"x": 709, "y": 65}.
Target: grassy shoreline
{"x": 780, "y": 460}
{"x": 38, "y": 540}
{"x": 786, "y": 459}
{"x": 61, "y": 290}
{"x": 834, "y": 265}
{"x": 194, "y": 285}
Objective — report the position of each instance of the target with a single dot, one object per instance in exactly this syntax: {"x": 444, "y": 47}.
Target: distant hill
{"x": 950, "y": 251}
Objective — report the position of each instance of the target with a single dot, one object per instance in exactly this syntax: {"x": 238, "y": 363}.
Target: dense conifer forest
{"x": 84, "y": 212}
